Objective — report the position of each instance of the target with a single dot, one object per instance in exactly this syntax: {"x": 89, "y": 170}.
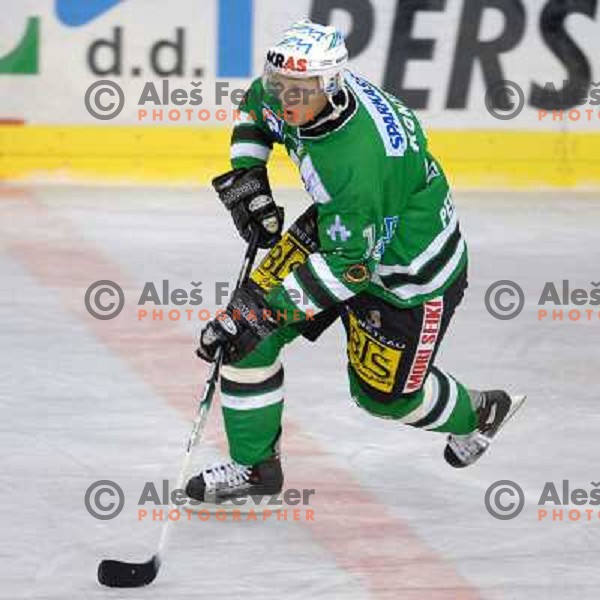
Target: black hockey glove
{"x": 246, "y": 193}
{"x": 246, "y": 321}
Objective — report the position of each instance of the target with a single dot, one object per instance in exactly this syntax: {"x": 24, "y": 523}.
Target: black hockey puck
{"x": 116, "y": 573}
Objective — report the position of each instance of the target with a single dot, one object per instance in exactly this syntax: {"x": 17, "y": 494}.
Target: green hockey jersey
{"x": 386, "y": 220}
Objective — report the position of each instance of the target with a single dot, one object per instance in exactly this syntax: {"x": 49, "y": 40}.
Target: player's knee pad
{"x": 251, "y": 375}
{"x": 252, "y": 403}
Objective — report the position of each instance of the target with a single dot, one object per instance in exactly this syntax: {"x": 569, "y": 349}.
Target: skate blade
{"x": 516, "y": 403}
{"x": 242, "y": 505}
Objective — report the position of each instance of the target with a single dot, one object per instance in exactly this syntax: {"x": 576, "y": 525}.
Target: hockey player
{"x": 380, "y": 249}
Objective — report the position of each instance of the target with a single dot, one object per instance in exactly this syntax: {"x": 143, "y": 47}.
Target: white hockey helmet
{"x": 309, "y": 49}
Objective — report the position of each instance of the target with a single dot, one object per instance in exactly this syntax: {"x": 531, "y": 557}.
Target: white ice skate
{"x": 229, "y": 485}
{"x": 494, "y": 409}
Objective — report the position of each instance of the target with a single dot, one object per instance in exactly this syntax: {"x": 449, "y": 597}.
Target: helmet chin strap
{"x": 338, "y": 109}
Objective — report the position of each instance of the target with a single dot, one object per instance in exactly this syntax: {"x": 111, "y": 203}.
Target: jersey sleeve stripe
{"x": 322, "y": 270}
{"x": 251, "y": 134}
{"x": 293, "y": 290}
{"x": 313, "y": 287}
{"x": 246, "y": 149}
{"x": 238, "y": 388}
{"x": 245, "y": 118}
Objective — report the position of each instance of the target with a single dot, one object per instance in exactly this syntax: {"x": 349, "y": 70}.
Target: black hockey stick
{"x": 116, "y": 573}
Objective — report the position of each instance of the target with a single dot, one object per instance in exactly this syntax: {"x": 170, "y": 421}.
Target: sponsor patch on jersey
{"x": 386, "y": 120}
{"x": 374, "y": 362}
{"x": 374, "y": 318}
{"x": 433, "y": 311}
{"x": 274, "y": 123}
{"x": 356, "y": 273}
{"x": 283, "y": 258}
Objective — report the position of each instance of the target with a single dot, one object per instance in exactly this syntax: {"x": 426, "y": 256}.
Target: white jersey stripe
{"x": 431, "y": 391}
{"x": 245, "y": 119}
{"x": 451, "y": 404}
{"x": 418, "y": 262}
{"x": 291, "y": 284}
{"x": 312, "y": 182}
{"x": 328, "y": 279}
{"x": 244, "y": 149}
{"x": 411, "y": 290}
{"x": 251, "y": 375}
{"x": 252, "y": 401}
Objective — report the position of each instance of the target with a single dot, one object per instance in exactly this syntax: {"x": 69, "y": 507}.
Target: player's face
{"x": 301, "y": 98}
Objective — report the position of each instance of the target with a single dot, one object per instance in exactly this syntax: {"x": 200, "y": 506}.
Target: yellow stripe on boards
{"x": 135, "y": 154}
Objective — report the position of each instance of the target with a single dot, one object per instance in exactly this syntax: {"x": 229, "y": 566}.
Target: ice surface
{"x": 84, "y": 400}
